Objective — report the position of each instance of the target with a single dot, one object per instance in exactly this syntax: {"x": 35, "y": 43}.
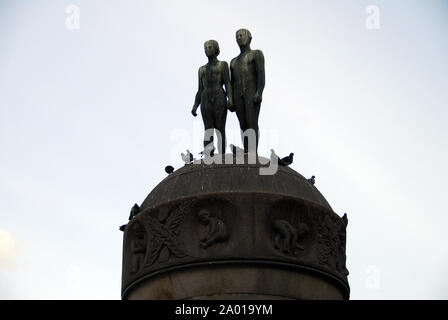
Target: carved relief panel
{"x": 289, "y": 227}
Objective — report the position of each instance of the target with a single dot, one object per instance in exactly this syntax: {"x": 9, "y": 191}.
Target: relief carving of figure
{"x": 216, "y": 230}
{"x": 287, "y": 238}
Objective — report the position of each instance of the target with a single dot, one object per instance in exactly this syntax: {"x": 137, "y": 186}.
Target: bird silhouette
{"x": 169, "y": 169}
{"x": 123, "y": 227}
{"x": 134, "y": 211}
{"x": 286, "y": 161}
{"x": 188, "y": 157}
{"x": 345, "y": 219}
{"x": 312, "y": 180}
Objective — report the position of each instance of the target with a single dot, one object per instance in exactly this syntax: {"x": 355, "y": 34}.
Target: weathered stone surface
{"x": 235, "y": 282}
{"x": 216, "y": 231}
{"x": 201, "y": 179}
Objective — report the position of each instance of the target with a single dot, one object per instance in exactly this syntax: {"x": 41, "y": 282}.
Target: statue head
{"x": 211, "y": 48}
{"x": 243, "y": 37}
{"x": 204, "y": 216}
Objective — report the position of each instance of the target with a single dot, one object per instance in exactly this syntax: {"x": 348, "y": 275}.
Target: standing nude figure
{"x": 212, "y": 97}
{"x": 247, "y": 79}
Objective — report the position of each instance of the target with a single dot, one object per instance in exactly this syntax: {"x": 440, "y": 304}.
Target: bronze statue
{"x": 212, "y": 97}
{"x": 247, "y": 79}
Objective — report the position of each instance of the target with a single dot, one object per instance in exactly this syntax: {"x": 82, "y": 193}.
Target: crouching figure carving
{"x": 288, "y": 238}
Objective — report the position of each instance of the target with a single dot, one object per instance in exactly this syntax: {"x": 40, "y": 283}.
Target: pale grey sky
{"x": 90, "y": 117}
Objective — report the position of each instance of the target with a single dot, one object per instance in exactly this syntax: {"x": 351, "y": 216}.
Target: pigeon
{"x": 134, "y": 211}
{"x": 286, "y": 161}
{"x": 236, "y": 150}
{"x": 312, "y": 180}
{"x": 188, "y": 157}
{"x": 169, "y": 169}
{"x": 123, "y": 227}
{"x": 345, "y": 219}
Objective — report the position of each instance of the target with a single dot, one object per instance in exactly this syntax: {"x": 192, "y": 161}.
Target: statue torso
{"x": 211, "y": 76}
{"x": 243, "y": 71}
{"x": 213, "y": 94}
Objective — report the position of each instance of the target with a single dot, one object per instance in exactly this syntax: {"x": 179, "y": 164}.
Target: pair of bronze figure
{"x": 243, "y": 92}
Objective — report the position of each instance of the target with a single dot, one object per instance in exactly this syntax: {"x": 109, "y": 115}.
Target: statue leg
{"x": 240, "y": 110}
{"x": 220, "y": 125}
{"x": 207, "y": 118}
{"x": 252, "y": 113}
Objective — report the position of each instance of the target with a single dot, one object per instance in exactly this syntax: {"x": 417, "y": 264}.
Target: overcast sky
{"x": 90, "y": 116}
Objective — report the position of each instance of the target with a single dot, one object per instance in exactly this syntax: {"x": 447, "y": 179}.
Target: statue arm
{"x": 259, "y": 67}
{"x": 197, "y": 100}
{"x": 232, "y": 85}
{"x": 232, "y": 80}
{"x": 228, "y": 85}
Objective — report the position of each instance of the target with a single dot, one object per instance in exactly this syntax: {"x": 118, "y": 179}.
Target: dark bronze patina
{"x": 247, "y": 79}
{"x": 212, "y": 97}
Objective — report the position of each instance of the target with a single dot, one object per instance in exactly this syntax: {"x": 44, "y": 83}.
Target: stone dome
{"x": 203, "y": 179}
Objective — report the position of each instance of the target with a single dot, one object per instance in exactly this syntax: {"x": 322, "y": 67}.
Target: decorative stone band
{"x": 235, "y": 231}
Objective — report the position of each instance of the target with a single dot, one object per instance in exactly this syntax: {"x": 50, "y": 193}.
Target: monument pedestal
{"x": 223, "y": 231}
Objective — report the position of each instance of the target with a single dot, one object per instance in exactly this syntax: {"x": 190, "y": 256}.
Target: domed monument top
{"x": 205, "y": 179}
